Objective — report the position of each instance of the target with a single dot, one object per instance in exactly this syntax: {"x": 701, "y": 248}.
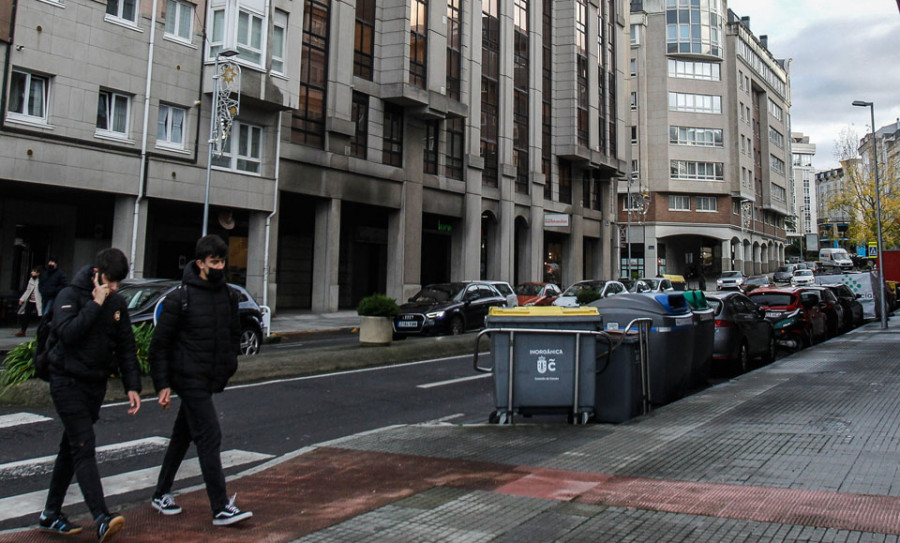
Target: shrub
{"x": 143, "y": 333}
{"x": 587, "y": 296}
{"x": 378, "y": 305}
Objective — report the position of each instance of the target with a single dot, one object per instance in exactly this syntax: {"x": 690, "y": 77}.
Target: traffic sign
{"x": 873, "y": 249}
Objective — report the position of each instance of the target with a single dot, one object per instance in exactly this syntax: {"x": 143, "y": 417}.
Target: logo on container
{"x": 543, "y": 365}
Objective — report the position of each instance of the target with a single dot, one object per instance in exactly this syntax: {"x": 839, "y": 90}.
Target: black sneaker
{"x": 230, "y": 514}
{"x": 166, "y": 505}
{"x": 108, "y": 526}
{"x": 57, "y": 524}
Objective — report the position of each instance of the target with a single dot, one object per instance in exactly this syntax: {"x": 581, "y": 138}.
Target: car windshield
{"x": 137, "y": 296}
{"x": 730, "y": 274}
{"x": 772, "y": 299}
{"x": 528, "y": 289}
{"x": 653, "y": 283}
{"x": 800, "y": 273}
{"x": 437, "y": 293}
{"x": 782, "y": 269}
{"x": 578, "y": 288}
{"x": 757, "y": 281}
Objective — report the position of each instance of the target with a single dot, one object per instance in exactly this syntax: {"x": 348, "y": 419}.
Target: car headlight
{"x": 435, "y": 315}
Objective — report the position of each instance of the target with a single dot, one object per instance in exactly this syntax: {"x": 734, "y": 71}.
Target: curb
{"x": 278, "y": 365}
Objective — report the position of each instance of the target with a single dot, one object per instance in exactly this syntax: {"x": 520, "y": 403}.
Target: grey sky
{"x": 840, "y": 51}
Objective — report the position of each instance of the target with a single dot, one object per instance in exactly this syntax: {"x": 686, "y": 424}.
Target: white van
{"x": 835, "y": 258}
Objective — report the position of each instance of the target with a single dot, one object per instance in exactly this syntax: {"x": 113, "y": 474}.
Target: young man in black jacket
{"x": 93, "y": 339}
{"x": 53, "y": 280}
{"x": 194, "y": 353}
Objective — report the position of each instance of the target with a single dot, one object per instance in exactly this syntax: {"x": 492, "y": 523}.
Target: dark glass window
{"x": 432, "y": 133}
{"x": 455, "y": 140}
{"x": 418, "y": 42}
{"x": 360, "y": 113}
{"x": 364, "y": 40}
{"x": 520, "y": 95}
{"x": 546, "y": 97}
{"x": 392, "y": 153}
{"x": 565, "y": 181}
{"x": 490, "y": 76}
{"x": 308, "y": 122}
{"x": 454, "y": 48}
{"x": 581, "y": 67}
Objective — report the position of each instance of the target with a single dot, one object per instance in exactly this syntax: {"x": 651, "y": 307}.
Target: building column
{"x": 256, "y": 255}
{"x": 326, "y": 256}
{"x": 535, "y": 263}
{"x": 738, "y": 264}
{"x": 124, "y": 228}
{"x": 404, "y": 258}
{"x": 469, "y": 258}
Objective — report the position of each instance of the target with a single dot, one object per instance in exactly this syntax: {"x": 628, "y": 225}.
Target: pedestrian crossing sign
{"x": 873, "y": 249}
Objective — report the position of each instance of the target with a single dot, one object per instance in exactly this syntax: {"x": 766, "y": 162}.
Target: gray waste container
{"x": 619, "y": 390}
{"x": 704, "y": 336}
{"x": 671, "y": 341}
{"x": 543, "y": 376}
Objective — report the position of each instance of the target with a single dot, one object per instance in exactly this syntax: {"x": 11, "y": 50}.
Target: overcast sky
{"x": 841, "y": 51}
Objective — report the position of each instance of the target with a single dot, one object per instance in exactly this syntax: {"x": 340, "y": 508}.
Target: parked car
{"x": 569, "y": 298}
{"x": 450, "y": 308}
{"x": 783, "y": 273}
{"x": 850, "y": 301}
{"x": 652, "y": 284}
{"x": 536, "y": 293}
{"x": 731, "y": 279}
{"x": 753, "y": 282}
{"x": 796, "y": 317}
{"x": 742, "y": 332}
{"x": 803, "y": 277}
{"x": 143, "y": 295}
{"x": 504, "y": 288}
{"x": 831, "y": 306}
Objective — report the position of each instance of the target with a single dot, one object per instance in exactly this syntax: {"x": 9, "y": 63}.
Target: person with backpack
{"x": 90, "y": 338}
{"x": 30, "y": 302}
{"x": 193, "y": 353}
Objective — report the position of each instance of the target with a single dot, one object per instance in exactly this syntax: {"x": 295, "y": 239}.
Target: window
{"x": 308, "y": 120}
{"x": 454, "y": 148}
{"x": 776, "y": 137}
{"x": 779, "y": 193}
{"x": 776, "y": 164}
{"x": 775, "y": 110}
{"x": 546, "y": 96}
{"x": 364, "y": 39}
{"x": 634, "y": 101}
{"x": 249, "y": 36}
{"x": 418, "y": 42}
{"x": 634, "y": 135}
{"x": 279, "y": 37}
{"x": 490, "y": 91}
{"x": 242, "y": 23}
{"x": 581, "y": 67}
{"x": 28, "y": 96}
{"x": 430, "y": 151}
{"x": 248, "y": 141}
{"x": 454, "y": 49}
{"x": 679, "y": 203}
{"x": 179, "y": 20}
{"x": 565, "y": 182}
{"x": 122, "y": 10}
{"x": 392, "y": 152}
{"x": 360, "y": 115}
{"x": 694, "y": 29}
{"x": 170, "y": 126}
{"x": 702, "y": 137}
{"x": 709, "y": 71}
{"x": 707, "y": 203}
{"x": 695, "y": 103}
{"x": 697, "y": 171}
{"x": 520, "y": 95}
{"x": 634, "y": 66}
{"x": 112, "y": 114}
{"x": 635, "y": 35}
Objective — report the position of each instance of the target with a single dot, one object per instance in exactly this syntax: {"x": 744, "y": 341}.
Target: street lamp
{"x": 882, "y": 304}
{"x": 631, "y": 177}
{"x": 214, "y": 126}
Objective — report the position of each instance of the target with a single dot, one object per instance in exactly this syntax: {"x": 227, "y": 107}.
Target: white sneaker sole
{"x": 243, "y": 515}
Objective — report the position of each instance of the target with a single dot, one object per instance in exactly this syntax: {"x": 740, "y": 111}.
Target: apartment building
{"x": 452, "y": 141}
{"x": 803, "y": 193}
{"x": 710, "y": 110}
{"x": 833, "y": 221}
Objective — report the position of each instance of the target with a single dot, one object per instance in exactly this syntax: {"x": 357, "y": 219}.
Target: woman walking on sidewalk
{"x": 30, "y": 302}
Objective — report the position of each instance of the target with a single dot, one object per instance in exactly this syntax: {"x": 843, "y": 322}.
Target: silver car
{"x": 569, "y": 298}
{"x": 730, "y": 280}
{"x": 742, "y": 333}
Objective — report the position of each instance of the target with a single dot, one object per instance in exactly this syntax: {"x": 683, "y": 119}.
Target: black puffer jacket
{"x": 92, "y": 341}
{"x": 197, "y": 338}
{"x": 52, "y": 283}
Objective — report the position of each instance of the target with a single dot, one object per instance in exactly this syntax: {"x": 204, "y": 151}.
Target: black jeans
{"x": 78, "y": 405}
{"x": 25, "y": 316}
{"x": 198, "y": 422}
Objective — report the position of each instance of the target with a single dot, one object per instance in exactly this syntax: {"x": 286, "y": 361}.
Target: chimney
{"x": 746, "y": 22}
{"x": 764, "y": 41}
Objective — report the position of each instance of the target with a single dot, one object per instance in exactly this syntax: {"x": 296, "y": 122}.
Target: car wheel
{"x": 249, "y": 341}
{"x": 456, "y": 326}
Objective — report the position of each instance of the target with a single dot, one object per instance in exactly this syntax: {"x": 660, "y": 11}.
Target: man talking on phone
{"x": 90, "y": 339}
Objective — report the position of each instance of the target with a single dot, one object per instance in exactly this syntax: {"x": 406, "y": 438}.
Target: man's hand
{"x": 134, "y": 402}
{"x": 100, "y": 292}
{"x": 165, "y": 397}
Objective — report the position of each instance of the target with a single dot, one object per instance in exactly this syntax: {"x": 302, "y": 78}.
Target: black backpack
{"x": 43, "y": 346}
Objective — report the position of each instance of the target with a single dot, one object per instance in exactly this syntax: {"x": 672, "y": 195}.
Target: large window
{"x": 364, "y": 40}
{"x": 693, "y": 27}
{"x": 279, "y": 39}
{"x": 242, "y": 151}
{"x": 697, "y": 171}
{"x": 776, "y": 137}
{"x": 454, "y": 48}
{"x": 695, "y": 103}
{"x": 779, "y": 193}
{"x": 490, "y": 90}
{"x": 179, "y": 20}
{"x": 707, "y": 203}
{"x": 709, "y": 71}
{"x": 430, "y": 151}
{"x": 360, "y": 114}
{"x": 565, "y": 181}
{"x": 418, "y": 42}
{"x": 122, "y": 10}
{"x": 581, "y": 68}
{"x": 689, "y": 135}
{"x": 113, "y": 111}
{"x": 678, "y": 202}
{"x": 392, "y": 150}
{"x": 776, "y": 164}
{"x": 28, "y": 96}
{"x": 243, "y": 23}
{"x": 775, "y": 110}
{"x": 170, "y": 126}
{"x": 520, "y": 95}
{"x": 454, "y": 149}
{"x": 546, "y": 97}
{"x": 308, "y": 123}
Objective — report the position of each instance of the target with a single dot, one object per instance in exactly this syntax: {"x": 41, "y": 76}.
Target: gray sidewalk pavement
{"x": 804, "y": 449}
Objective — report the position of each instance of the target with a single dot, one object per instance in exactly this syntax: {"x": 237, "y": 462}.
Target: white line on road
{"x": 33, "y": 502}
{"x": 454, "y": 381}
{"x": 17, "y": 419}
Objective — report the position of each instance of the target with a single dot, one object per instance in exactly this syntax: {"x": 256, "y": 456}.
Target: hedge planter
{"x": 375, "y": 330}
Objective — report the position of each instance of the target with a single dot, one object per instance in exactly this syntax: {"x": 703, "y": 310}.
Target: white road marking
{"x": 454, "y": 381}
{"x": 33, "y": 502}
{"x": 17, "y": 419}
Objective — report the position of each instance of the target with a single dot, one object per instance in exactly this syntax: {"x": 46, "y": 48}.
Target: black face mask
{"x": 214, "y": 275}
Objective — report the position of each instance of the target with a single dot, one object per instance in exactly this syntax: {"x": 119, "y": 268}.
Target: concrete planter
{"x": 375, "y": 330}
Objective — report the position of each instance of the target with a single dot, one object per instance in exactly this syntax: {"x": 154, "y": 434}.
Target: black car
{"x": 836, "y": 317}
{"x": 742, "y": 333}
{"x": 447, "y": 308}
{"x": 143, "y": 295}
{"x": 850, "y": 301}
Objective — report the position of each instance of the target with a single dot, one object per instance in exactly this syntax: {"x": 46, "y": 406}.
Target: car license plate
{"x": 407, "y": 324}
{"x": 772, "y": 314}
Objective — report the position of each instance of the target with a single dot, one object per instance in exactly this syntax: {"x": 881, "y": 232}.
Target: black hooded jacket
{"x": 53, "y": 280}
{"x": 92, "y": 341}
{"x": 197, "y": 338}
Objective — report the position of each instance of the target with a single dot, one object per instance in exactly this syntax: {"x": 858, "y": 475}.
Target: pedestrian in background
{"x": 30, "y": 302}
{"x": 193, "y": 353}
{"x": 52, "y": 282}
{"x": 90, "y": 338}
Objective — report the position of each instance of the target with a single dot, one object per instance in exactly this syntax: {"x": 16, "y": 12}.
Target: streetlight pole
{"x": 213, "y": 129}
{"x": 628, "y": 224}
{"x": 882, "y": 304}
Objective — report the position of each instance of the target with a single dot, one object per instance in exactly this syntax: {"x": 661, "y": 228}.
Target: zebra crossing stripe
{"x": 18, "y": 419}
{"x": 32, "y": 503}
